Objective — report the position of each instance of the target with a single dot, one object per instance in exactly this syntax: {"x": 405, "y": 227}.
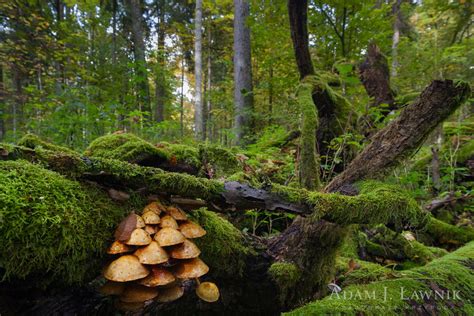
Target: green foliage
{"x": 286, "y": 275}
{"x": 52, "y": 228}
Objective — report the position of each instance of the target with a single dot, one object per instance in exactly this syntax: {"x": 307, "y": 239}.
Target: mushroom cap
{"x": 140, "y": 221}
{"x": 118, "y": 247}
{"x": 155, "y": 207}
{"x": 168, "y": 221}
{"x": 139, "y": 237}
{"x": 190, "y": 269}
{"x": 186, "y": 250}
{"x": 158, "y": 276}
{"x": 150, "y": 229}
{"x": 151, "y": 254}
{"x": 151, "y": 217}
{"x": 208, "y": 291}
{"x": 169, "y": 237}
{"x": 191, "y": 230}
{"x": 170, "y": 294}
{"x": 112, "y": 288}
{"x": 135, "y": 293}
{"x": 126, "y": 268}
{"x": 176, "y": 213}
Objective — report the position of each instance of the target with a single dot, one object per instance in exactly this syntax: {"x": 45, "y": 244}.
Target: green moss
{"x": 126, "y": 147}
{"x": 222, "y": 160}
{"x": 466, "y": 151}
{"x": 52, "y": 228}
{"x": 33, "y": 141}
{"x": 366, "y": 273}
{"x": 223, "y": 247}
{"x": 400, "y": 295}
{"x": 447, "y": 234}
{"x": 285, "y": 275}
{"x": 376, "y": 203}
{"x": 309, "y": 161}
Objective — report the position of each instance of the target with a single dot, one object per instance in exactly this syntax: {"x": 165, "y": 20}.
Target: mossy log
{"x": 439, "y": 288}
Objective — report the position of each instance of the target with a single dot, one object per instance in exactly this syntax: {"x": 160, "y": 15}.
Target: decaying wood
{"x": 405, "y": 134}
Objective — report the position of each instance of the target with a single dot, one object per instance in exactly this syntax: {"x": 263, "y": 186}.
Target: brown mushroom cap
{"x": 186, "y": 250}
{"x": 125, "y": 268}
{"x": 151, "y": 217}
{"x": 139, "y": 237}
{"x": 168, "y": 221}
{"x": 135, "y": 293}
{"x": 152, "y": 254}
{"x": 118, "y": 247}
{"x": 176, "y": 213}
{"x": 155, "y": 207}
{"x": 140, "y": 221}
{"x": 170, "y": 294}
{"x": 191, "y": 230}
{"x": 157, "y": 277}
{"x": 127, "y": 225}
{"x": 190, "y": 269}
{"x": 150, "y": 229}
{"x": 112, "y": 288}
{"x": 208, "y": 291}
{"x": 169, "y": 237}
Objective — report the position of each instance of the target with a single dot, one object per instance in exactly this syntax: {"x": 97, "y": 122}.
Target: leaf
{"x": 126, "y": 227}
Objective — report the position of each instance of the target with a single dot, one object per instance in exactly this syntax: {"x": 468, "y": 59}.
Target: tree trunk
{"x": 160, "y": 79}
{"x": 198, "y": 101}
{"x": 135, "y": 11}
{"x": 209, "y": 124}
{"x": 298, "y": 13}
{"x": 243, "y": 90}
{"x": 397, "y": 25}
{"x": 2, "y": 105}
{"x": 405, "y": 134}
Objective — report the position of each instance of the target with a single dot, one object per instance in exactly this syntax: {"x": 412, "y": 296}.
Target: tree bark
{"x": 243, "y": 90}
{"x": 2, "y": 105}
{"x": 405, "y": 134}
{"x": 375, "y": 77}
{"x": 397, "y": 25}
{"x": 135, "y": 11}
{"x": 160, "y": 79}
{"x": 198, "y": 101}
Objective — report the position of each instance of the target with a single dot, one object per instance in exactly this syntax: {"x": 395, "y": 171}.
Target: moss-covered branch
{"x": 437, "y": 287}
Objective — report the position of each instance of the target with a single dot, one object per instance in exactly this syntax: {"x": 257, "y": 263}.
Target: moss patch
{"x": 33, "y": 141}
{"x": 223, "y": 247}
{"x": 285, "y": 275}
{"x": 51, "y": 226}
{"x": 404, "y": 293}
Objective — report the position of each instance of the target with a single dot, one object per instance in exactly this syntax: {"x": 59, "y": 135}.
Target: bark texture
{"x": 405, "y": 134}
{"x": 198, "y": 102}
{"x": 243, "y": 90}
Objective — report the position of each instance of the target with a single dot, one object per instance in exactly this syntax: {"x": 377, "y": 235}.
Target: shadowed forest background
{"x": 327, "y": 146}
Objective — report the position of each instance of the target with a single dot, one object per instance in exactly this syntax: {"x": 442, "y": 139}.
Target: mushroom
{"x": 170, "y": 294}
{"x": 208, "y": 291}
{"x": 169, "y": 237}
{"x": 139, "y": 237}
{"x": 151, "y": 254}
{"x": 140, "y": 221}
{"x": 155, "y": 207}
{"x": 186, "y": 250}
{"x": 157, "y": 277}
{"x": 127, "y": 225}
{"x": 150, "y": 229}
{"x": 118, "y": 247}
{"x": 176, "y": 213}
{"x": 135, "y": 293}
{"x": 112, "y": 288}
{"x": 125, "y": 268}
{"x": 190, "y": 269}
{"x": 191, "y": 230}
{"x": 168, "y": 221}
{"x": 151, "y": 217}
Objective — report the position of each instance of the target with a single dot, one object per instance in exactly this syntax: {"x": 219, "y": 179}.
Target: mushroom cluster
{"x": 154, "y": 255}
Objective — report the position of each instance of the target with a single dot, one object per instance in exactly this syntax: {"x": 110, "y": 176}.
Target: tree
{"x": 243, "y": 87}
{"x": 199, "y": 114}
{"x": 138, "y": 36}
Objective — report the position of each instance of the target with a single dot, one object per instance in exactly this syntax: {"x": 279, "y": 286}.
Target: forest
{"x": 236, "y": 157}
